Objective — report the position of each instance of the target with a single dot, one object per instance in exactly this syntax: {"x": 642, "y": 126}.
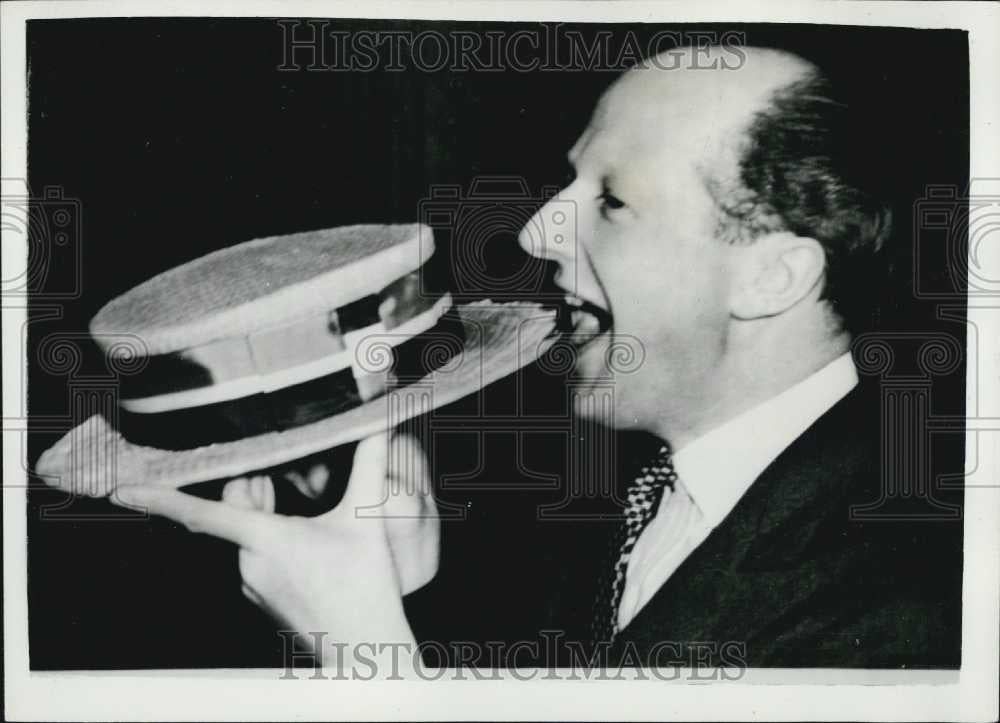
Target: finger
{"x": 408, "y": 471}
{"x": 237, "y": 493}
{"x": 262, "y": 493}
{"x": 253, "y": 493}
{"x": 245, "y": 527}
{"x": 298, "y": 481}
{"x": 253, "y": 597}
{"x": 319, "y": 477}
{"x": 311, "y": 484}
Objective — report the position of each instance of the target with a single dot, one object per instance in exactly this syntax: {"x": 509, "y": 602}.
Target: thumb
{"x": 366, "y": 488}
{"x": 409, "y": 478}
{"x": 253, "y": 493}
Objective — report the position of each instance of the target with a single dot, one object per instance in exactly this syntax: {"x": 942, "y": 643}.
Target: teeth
{"x": 584, "y": 326}
{"x": 584, "y": 322}
{"x": 584, "y": 319}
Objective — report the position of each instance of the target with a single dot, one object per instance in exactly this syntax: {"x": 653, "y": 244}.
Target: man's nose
{"x": 551, "y": 233}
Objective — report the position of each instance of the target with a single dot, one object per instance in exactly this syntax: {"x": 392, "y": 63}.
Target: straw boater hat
{"x": 281, "y": 347}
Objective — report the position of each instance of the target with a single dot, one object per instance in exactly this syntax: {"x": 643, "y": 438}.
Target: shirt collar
{"x": 717, "y": 468}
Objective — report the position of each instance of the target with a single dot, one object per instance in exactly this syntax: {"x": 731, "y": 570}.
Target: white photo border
{"x": 776, "y": 694}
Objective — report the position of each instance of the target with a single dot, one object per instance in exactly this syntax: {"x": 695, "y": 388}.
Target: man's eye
{"x": 610, "y": 201}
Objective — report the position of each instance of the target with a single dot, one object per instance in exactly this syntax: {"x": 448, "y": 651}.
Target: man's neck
{"x": 758, "y": 365}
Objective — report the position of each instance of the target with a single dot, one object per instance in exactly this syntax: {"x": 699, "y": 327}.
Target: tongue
{"x": 580, "y": 324}
{"x": 585, "y": 324}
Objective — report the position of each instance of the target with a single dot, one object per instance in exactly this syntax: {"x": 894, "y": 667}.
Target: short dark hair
{"x": 806, "y": 167}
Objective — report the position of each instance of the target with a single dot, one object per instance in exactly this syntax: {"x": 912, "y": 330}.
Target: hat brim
{"x": 93, "y": 458}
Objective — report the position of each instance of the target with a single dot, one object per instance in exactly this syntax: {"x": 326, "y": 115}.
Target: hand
{"x": 344, "y": 572}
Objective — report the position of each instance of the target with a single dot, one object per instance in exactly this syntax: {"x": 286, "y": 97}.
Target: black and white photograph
{"x": 578, "y": 360}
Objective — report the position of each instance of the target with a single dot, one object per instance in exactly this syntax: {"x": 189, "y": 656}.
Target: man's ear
{"x": 775, "y": 272}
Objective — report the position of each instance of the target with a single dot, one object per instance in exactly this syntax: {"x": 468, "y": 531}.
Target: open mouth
{"x": 581, "y": 321}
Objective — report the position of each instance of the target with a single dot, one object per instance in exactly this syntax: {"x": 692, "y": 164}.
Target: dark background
{"x": 172, "y": 138}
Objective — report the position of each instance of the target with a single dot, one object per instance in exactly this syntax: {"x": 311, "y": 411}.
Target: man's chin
{"x": 591, "y": 361}
{"x": 596, "y": 391}
{"x": 592, "y": 387}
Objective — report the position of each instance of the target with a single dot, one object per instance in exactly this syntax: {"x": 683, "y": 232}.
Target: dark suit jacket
{"x": 792, "y": 577}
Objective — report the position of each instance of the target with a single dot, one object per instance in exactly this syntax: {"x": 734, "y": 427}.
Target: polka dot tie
{"x": 643, "y": 497}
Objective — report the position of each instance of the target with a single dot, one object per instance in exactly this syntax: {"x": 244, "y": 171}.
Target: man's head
{"x": 712, "y": 223}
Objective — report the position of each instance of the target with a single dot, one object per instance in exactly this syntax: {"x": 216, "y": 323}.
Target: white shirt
{"x": 715, "y": 471}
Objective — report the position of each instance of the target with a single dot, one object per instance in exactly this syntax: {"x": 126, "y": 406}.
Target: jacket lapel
{"x": 761, "y": 561}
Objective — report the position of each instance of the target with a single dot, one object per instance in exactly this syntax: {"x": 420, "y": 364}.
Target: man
{"x": 722, "y": 226}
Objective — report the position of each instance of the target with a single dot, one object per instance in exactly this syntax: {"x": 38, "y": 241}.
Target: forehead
{"x": 682, "y": 120}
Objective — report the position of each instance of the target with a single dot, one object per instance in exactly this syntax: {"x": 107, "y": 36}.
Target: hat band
{"x": 273, "y": 358}
{"x": 299, "y": 404}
